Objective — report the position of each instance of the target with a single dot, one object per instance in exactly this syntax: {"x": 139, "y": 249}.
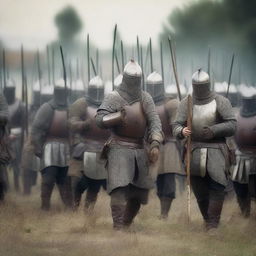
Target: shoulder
{"x": 80, "y": 103}
{"x": 172, "y": 103}
{"x": 222, "y": 101}
{"x": 146, "y": 97}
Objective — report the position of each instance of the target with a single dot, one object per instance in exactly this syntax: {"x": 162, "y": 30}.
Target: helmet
{"x": 132, "y": 68}
{"x": 155, "y": 86}
{"x": 9, "y": 91}
{"x": 201, "y": 86}
{"x": 95, "y": 90}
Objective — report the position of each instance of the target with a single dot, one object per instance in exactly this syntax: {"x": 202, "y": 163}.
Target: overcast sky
{"x": 31, "y": 21}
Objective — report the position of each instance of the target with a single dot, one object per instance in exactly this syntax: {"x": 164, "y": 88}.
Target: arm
{"x": 180, "y": 120}
{"x": 227, "y": 127}
{"x": 155, "y": 134}
{"x": 77, "y": 116}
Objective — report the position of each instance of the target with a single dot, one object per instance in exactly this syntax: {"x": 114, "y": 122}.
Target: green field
{"x": 25, "y": 230}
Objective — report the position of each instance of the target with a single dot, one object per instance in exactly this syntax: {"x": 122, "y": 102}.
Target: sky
{"x": 31, "y": 21}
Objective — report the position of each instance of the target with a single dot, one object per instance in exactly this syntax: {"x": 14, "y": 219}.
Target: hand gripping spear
{"x": 188, "y": 155}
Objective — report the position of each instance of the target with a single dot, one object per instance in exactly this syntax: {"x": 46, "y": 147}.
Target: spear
{"x": 48, "y": 64}
{"x": 113, "y": 58}
{"x": 138, "y": 50}
{"x": 88, "y": 58}
{"x": 22, "y": 74}
{"x": 188, "y": 156}
{"x": 93, "y": 67}
{"x": 209, "y": 61}
{"x": 174, "y": 67}
{"x": 151, "y": 56}
{"x": 97, "y": 60}
{"x": 64, "y": 71}
{"x": 77, "y": 69}
{"x": 230, "y": 73}
{"x": 141, "y": 61}
{"x": 53, "y": 66}
{"x": 162, "y": 60}
{"x": 117, "y": 64}
{"x": 4, "y": 68}
{"x": 122, "y": 54}
{"x": 39, "y": 71}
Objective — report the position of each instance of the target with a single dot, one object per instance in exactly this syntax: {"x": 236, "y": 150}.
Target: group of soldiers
{"x": 130, "y": 141}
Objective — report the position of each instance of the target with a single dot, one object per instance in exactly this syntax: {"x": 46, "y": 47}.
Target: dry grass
{"x": 25, "y": 230}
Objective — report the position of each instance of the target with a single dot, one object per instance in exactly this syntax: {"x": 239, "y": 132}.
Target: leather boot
{"x": 118, "y": 216}
{"x": 203, "y": 206}
{"x": 2, "y": 192}
{"x": 76, "y": 194}
{"x": 90, "y": 201}
{"x": 165, "y": 203}
{"x": 245, "y": 205}
{"x": 214, "y": 213}
{"x": 131, "y": 210}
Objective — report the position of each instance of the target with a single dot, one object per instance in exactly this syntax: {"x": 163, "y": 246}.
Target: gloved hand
{"x": 207, "y": 133}
{"x": 154, "y": 154}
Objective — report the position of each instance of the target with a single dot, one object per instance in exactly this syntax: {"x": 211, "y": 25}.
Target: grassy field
{"x": 26, "y": 230}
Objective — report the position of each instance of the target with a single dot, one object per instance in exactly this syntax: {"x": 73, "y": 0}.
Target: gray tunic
{"x": 214, "y": 153}
{"x": 130, "y": 165}
{"x": 54, "y": 151}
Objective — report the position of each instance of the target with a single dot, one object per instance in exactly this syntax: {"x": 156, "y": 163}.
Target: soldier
{"x": 5, "y": 155}
{"x": 130, "y": 114}
{"x": 244, "y": 172}
{"x": 213, "y": 121}
{"x": 86, "y": 168}
{"x": 169, "y": 161}
{"x": 49, "y": 138}
{"x": 16, "y": 125}
{"x": 30, "y": 162}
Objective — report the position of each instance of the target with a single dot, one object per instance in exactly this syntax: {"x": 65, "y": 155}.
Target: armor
{"x": 134, "y": 123}
{"x": 246, "y": 125}
{"x": 77, "y": 90}
{"x": 162, "y": 112}
{"x": 155, "y": 86}
{"x": 203, "y": 116}
{"x": 95, "y": 92}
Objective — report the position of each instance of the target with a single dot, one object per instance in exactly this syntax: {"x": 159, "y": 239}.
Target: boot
{"x": 165, "y": 203}
{"x": 90, "y": 201}
{"x": 118, "y": 215}
{"x": 203, "y": 206}
{"x": 2, "y": 192}
{"x": 46, "y": 192}
{"x": 245, "y": 205}
{"x": 76, "y": 193}
{"x": 214, "y": 212}
{"x": 131, "y": 210}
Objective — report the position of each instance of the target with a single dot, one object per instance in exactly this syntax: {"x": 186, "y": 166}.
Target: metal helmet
{"x": 248, "y": 95}
{"x": 37, "y": 93}
{"x": 77, "y": 90}
{"x": 132, "y": 68}
{"x": 60, "y": 93}
{"x": 46, "y": 93}
{"x": 118, "y": 80}
{"x": 95, "y": 90}
{"x": 155, "y": 86}
{"x": 201, "y": 86}
{"x": 130, "y": 88}
{"x": 9, "y": 91}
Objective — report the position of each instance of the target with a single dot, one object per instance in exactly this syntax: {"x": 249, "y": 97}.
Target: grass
{"x": 26, "y": 230}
